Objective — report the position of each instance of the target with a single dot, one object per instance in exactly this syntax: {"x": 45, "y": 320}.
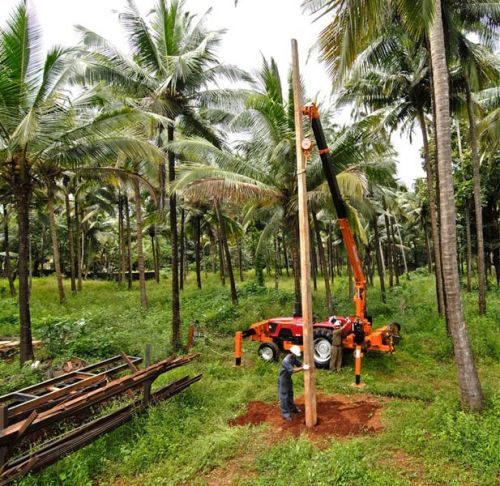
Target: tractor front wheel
{"x": 269, "y": 352}
{"x": 322, "y": 345}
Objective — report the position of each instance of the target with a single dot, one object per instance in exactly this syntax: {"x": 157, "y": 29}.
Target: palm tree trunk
{"x": 395, "y": 258}
{"x": 476, "y": 178}
{"x": 378, "y": 254}
{"x": 468, "y": 246}
{"x": 23, "y": 192}
{"x": 390, "y": 255}
{"x": 182, "y": 250}
{"x": 140, "y": 249}
{"x": 433, "y": 215}
{"x": 222, "y": 270}
{"x": 276, "y": 264}
{"x": 121, "y": 237}
{"x": 470, "y": 387}
{"x": 129, "y": 241}
{"x": 176, "y": 305}
{"x": 323, "y": 265}
{"x": 285, "y": 258}
{"x": 71, "y": 242}
{"x": 55, "y": 244}
{"x": 349, "y": 278}
{"x": 7, "y": 266}
{"x": 198, "y": 250}
{"x": 314, "y": 262}
{"x": 405, "y": 265}
{"x": 157, "y": 255}
{"x": 79, "y": 244}
{"x": 240, "y": 261}
{"x": 427, "y": 247}
{"x": 223, "y": 237}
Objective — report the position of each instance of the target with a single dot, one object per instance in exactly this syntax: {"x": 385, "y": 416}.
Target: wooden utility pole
{"x": 305, "y": 247}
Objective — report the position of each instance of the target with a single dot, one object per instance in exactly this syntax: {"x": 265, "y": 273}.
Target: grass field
{"x": 187, "y": 441}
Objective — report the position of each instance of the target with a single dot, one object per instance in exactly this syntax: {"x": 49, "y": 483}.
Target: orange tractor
{"x": 279, "y": 334}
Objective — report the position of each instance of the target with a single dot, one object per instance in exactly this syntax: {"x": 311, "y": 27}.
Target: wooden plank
{"x": 54, "y": 395}
{"x": 131, "y": 365}
{"x": 305, "y": 248}
{"x": 94, "y": 397}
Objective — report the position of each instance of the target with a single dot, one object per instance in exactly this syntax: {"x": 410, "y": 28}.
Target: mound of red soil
{"x": 338, "y": 415}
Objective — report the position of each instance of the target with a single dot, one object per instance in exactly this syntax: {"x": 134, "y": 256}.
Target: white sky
{"x": 254, "y": 27}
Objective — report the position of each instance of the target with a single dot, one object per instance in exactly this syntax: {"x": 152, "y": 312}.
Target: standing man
{"x": 336, "y": 356}
{"x": 289, "y": 366}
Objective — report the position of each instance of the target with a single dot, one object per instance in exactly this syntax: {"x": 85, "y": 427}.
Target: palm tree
{"x": 172, "y": 72}
{"x": 39, "y": 125}
{"x": 262, "y": 167}
{"x": 356, "y": 24}
{"x": 393, "y": 74}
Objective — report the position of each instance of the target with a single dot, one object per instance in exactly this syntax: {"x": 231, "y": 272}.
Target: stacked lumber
{"x": 19, "y": 456}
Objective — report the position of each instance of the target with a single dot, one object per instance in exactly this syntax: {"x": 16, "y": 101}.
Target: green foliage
{"x": 183, "y": 440}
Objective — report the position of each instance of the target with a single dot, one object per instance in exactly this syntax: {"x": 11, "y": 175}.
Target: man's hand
{"x": 305, "y": 367}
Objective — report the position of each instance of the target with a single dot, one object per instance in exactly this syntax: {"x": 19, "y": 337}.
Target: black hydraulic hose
{"x": 327, "y": 168}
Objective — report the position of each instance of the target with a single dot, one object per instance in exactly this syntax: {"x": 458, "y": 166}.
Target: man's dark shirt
{"x": 287, "y": 365}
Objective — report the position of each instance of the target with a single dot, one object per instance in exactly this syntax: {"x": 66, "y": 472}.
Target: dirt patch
{"x": 338, "y": 415}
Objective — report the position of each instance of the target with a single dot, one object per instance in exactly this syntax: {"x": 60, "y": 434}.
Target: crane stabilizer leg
{"x": 238, "y": 348}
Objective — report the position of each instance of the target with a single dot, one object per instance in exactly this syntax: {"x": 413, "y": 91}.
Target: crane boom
{"x": 311, "y": 110}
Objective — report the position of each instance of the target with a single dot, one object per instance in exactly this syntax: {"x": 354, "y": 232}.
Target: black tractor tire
{"x": 322, "y": 347}
{"x": 268, "y": 352}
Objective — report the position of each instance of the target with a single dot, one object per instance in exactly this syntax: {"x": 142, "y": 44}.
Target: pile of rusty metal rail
{"x": 30, "y": 418}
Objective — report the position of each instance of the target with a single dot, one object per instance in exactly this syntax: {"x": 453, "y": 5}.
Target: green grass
{"x": 426, "y": 438}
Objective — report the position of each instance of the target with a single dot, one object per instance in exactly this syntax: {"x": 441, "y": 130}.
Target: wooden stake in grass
{"x": 305, "y": 248}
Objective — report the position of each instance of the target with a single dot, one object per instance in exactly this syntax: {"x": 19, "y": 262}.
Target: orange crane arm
{"x": 311, "y": 110}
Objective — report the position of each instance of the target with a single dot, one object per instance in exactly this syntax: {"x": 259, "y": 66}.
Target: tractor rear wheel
{"x": 269, "y": 352}
{"x": 322, "y": 345}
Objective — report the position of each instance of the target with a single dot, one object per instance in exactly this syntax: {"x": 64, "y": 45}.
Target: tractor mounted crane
{"x": 279, "y": 334}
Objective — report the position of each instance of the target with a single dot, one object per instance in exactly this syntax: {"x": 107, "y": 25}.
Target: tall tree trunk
{"x": 7, "y": 266}
{"x": 55, "y": 244}
{"x": 314, "y": 261}
{"x": 432, "y": 214}
{"x": 121, "y": 238}
{"x": 197, "y": 228}
{"x": 153, "y": 249}
{"x": 378, "y": 254}
{"x": 79, "y": 244}
{"x": 220, "y": 248}
{"x": 349, "y": 278}
{"x": 129, "y": 241}
{"x": 71, "y": 241}
{"x": 182, "y": 250}
{"x": 23, "y": 192}
{"x": 140, "y": 249}
{"x": 390, "y": 254}
{"x": 322, "y": 262}
{"x": 470, "y": 387}
{"x": 240, "y": 260}
{"x": 176, "y": 305}
{"x": 395, "y": 258}
{"x": 427, "y": 247}
{"x": 276, "y": 264}
{"x": 468, "y": 246}
{"x": 476, "y": 178}
{"x": 225, "y": 246}
{"x": 405, "y": 265}
{"x": 157, "y": 255}
{"x": 285, "y": 258}
{"x": 162, "y": 173}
